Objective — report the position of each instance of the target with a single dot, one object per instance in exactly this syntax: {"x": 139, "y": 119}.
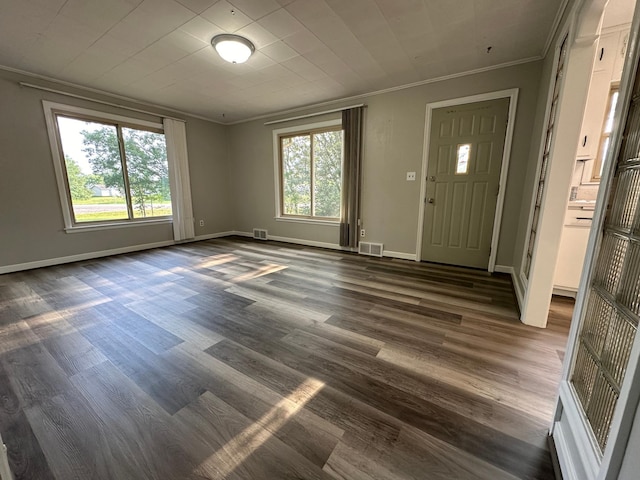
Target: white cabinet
{"x": 606, "y": 53}
{"x": 621, "y": 51}
{"x": 607, "y": 69}
{"x": 594, "y": 115}
{"x": 573, "y": 247}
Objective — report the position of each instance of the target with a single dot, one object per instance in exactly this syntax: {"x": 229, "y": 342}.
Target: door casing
{"x": 575, "y": 445}
{"x": 512, "y": 94}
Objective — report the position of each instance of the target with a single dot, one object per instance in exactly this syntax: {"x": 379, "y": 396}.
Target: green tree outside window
{"x": 311, "y": 166}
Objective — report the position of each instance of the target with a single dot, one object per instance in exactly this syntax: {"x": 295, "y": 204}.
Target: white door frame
{"x": 567, "y": 32}
{"x": 512, "y": 95}
{"x": 576, "y": 447}
{"x": 583, "y": 24}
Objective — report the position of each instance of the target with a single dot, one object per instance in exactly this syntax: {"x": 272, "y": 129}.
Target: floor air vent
{"x": 259, "y": 234}
{"x": 373, "y": 249}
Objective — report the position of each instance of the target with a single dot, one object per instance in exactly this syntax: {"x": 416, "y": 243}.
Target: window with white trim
{"x": 309, "y": 166}
{"x": 110, "y": 169}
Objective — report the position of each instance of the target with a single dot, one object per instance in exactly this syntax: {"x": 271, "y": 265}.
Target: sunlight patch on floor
{"x": 260, "y": 272}
{"x": 217, "y": 260}
{"x": 237, "y": 450}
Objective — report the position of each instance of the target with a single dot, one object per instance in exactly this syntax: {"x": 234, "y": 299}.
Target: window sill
{"x": 311, "y": 221}
{"x": 110, "y": 226}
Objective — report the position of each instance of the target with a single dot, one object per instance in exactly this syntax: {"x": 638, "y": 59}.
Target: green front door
{"x": 463, "y": 177}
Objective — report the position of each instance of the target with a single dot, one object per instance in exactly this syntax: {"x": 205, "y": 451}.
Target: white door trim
{"x": 565, "y": 32}
{"x": 512, "y": 94}
{"x": 608, "y": 464}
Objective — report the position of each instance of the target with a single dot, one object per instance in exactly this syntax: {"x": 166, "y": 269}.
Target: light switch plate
{"x": 411, "y": 176}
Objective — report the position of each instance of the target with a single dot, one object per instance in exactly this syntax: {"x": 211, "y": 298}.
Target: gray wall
{"x": 253, "y": 181}
{"x": 232, "y": 171}
{"x": 394, "y": 138}
{"x": 31, "y": 222}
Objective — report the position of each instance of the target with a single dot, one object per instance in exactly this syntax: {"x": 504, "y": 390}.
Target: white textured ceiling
{"x": 308, "y": 51}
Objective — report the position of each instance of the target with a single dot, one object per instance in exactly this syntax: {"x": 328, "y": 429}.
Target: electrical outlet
{"x": 202, "y": 223}
{"x": 411, "y": 176}
{"x": 362, "y": 232}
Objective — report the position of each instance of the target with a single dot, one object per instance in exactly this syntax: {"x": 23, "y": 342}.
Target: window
{"x": 110, "y": 169}
{"x": 606, "y": 134}
{"x": 310, "y": 171}
{"x": 462, "y": 163}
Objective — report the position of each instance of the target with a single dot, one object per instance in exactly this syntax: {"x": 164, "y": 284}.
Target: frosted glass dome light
{"x": 233, "y": 48}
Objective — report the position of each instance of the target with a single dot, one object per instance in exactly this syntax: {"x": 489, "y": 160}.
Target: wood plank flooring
{"x": 239, "y": 359}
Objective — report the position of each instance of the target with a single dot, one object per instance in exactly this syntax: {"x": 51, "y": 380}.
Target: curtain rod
{"x": 314, "y": 114}
{"x": 103, "y": 102}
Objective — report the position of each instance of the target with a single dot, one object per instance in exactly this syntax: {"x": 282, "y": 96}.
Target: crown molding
{"x": 555, "y": 27}
{"x": 281, "y": 112}
{"x": 389, "y": 90}
{"x": 97, "y": 91}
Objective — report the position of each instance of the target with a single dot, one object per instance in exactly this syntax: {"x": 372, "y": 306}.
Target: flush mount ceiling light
{"x": 233, "y": 48}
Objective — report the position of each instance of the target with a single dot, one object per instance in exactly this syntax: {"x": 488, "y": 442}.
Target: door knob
{"x": 430, "y": 200}
{"x": 432, "y": 178}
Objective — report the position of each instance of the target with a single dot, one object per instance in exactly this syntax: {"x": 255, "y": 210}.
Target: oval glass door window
{"x": 462, "y": 163}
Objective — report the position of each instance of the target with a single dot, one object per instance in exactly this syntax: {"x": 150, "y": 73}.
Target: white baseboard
{"x": 309, "y": 243}
{"x": 565, "y": 292}
{"x": 503, "y": 269}
{"x": 298, "y": 241}
{"x": 211, "y": 236}
{"x": 147, "y": 246}
{"x": 516, "y": 283}
{"x": 82, "y": 256}
{"x": 242, "y": 234}
{"x": 331, "y": 246}
{"x": 49, "y": 262}
{"x": 400, "y": 255}
{"x": 520, "y": 291}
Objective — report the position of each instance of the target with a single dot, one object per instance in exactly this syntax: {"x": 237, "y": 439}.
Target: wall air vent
{"x": 259, "y": 234}
{"x": 373, "y": 249}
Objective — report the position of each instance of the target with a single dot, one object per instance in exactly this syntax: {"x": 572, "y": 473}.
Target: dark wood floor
{"x": 246, "y": 360}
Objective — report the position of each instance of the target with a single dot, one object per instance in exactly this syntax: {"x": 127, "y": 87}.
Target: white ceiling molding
{"x": 387, "y": 90}
{"x": 158, "y": 52}
{"x": 266, "y": 115}
{"x": 554, "y": 27}
{"x": 101, "y": 92}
